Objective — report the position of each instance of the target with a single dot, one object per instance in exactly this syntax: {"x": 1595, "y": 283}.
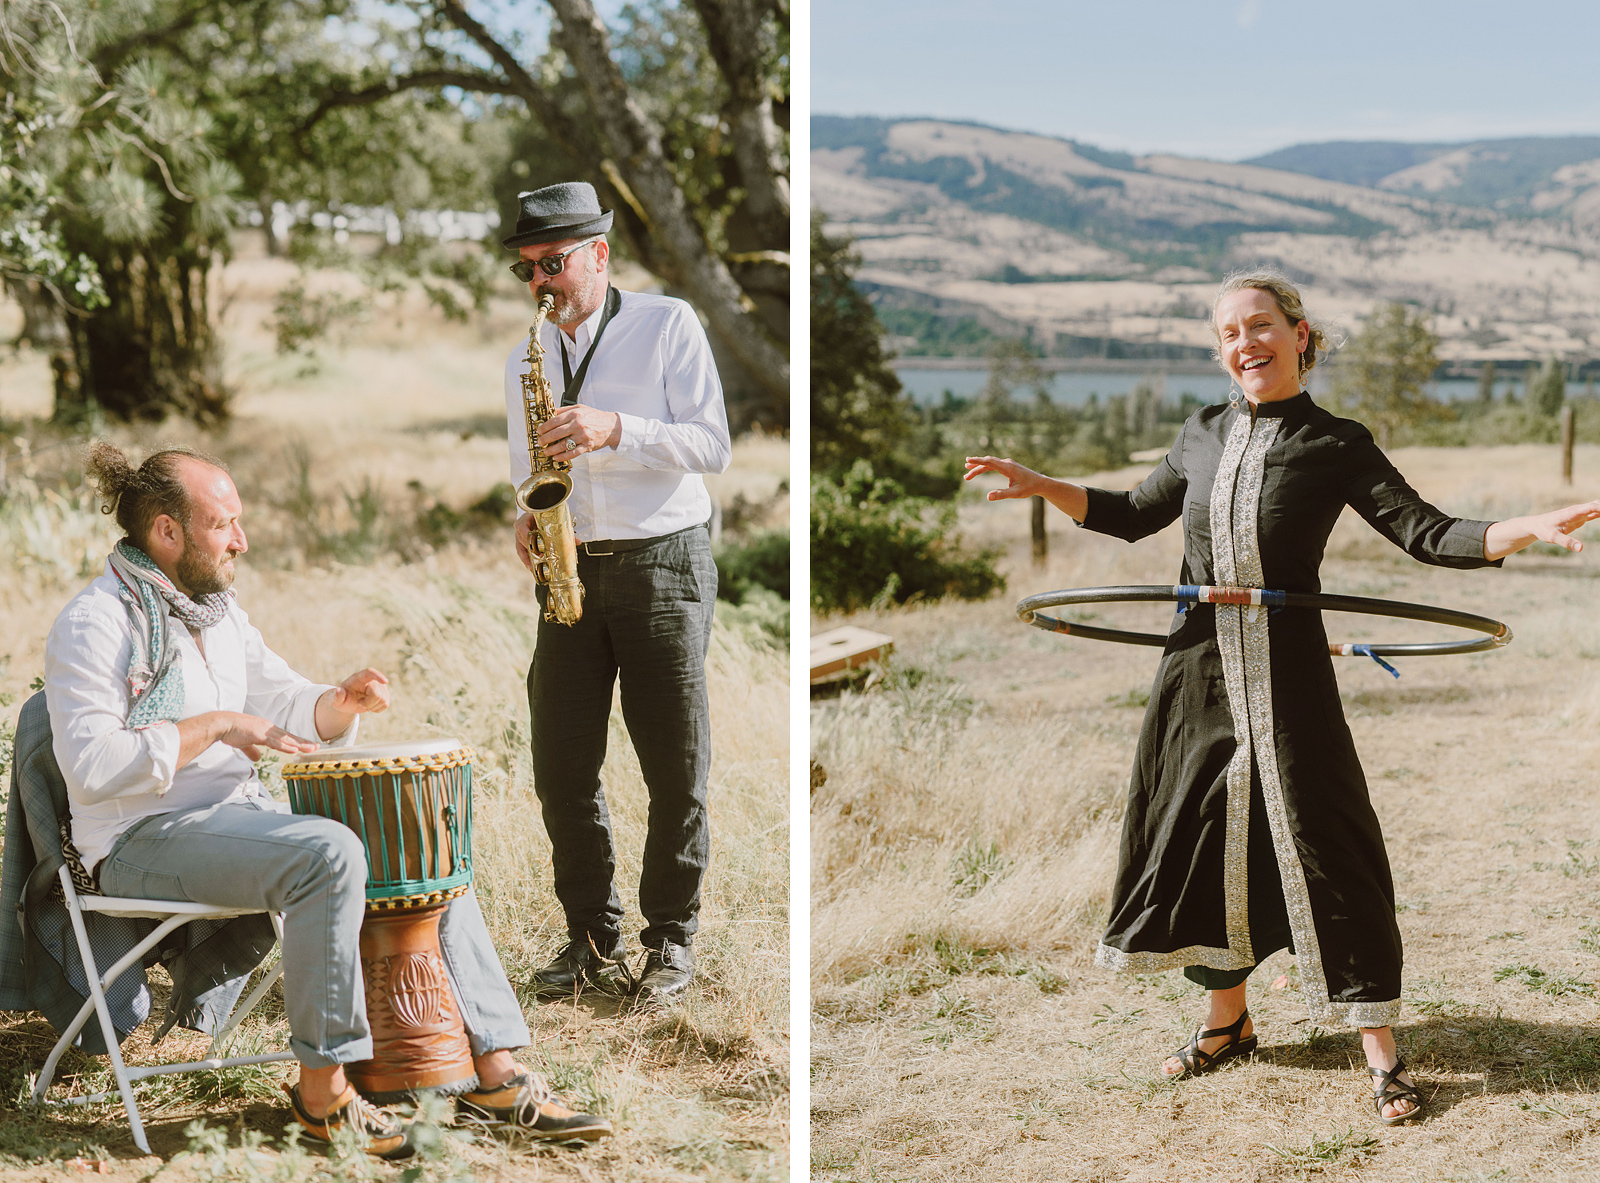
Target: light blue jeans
{"x": 313, "y": 871}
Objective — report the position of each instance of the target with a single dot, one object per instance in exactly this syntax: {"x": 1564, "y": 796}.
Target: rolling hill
{"x": 968, "y": 231}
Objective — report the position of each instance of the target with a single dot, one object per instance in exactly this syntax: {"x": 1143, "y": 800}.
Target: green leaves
{"x": 872, "y": 545}
{"x": 214, "y": 188}
{"x": 126, "y": 207}
{"x": 1380, "y": 375}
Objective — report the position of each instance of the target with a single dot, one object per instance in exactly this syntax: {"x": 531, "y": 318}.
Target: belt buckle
{"x": 596, "y": 554}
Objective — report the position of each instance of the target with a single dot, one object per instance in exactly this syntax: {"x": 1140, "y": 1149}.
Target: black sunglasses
{"x": 551, "y": 265}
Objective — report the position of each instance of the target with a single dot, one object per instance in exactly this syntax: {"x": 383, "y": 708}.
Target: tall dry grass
{"x": 412, "y": 415}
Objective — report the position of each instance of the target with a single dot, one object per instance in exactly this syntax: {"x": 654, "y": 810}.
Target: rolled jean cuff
{"x": 346, "y": 1053}
{"x": 507, "y": 1038}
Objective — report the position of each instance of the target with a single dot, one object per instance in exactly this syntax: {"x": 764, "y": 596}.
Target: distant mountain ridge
{"x": 968, "y": 231}
{"x": 1507, "y": 174}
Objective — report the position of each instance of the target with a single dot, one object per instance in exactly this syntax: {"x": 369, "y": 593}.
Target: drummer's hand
{"x": 356, "y": 695}
{"x": 361, "y": 693}
{"x": 1024, "y": 482}
{"x": 250, "y": 733}
{"x": 524, "y": 532}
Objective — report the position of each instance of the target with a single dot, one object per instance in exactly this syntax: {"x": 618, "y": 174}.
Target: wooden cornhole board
{"x": 839, "y": 650}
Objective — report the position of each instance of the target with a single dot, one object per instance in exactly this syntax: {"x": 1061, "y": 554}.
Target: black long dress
{"x": 1249, "y": 827}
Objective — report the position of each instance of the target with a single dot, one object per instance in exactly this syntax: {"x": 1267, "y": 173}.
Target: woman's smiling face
{"x": 1260, "y": 349}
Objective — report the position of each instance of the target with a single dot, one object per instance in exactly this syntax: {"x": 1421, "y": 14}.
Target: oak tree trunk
{"x": 153, "y": 351}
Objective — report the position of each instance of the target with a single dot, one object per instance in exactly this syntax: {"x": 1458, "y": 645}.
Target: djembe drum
{"x": 411, "y": 804}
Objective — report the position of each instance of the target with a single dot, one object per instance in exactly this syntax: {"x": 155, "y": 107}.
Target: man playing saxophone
{"x": 639, "y": 418}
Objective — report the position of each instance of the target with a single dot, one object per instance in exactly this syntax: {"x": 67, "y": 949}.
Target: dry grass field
{"x": 964, "y": 840}
{"x": 335, "y": 463}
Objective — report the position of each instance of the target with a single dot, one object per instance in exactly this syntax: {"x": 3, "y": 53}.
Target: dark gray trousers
{"x": 646, "y": 621}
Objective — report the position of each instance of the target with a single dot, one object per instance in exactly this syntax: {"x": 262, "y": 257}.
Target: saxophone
{"x": 552, "y": 546}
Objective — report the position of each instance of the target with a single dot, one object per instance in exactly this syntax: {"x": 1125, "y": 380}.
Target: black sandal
{"x": 1196, "y": 1062}
{"x": 1392, "y": 1089}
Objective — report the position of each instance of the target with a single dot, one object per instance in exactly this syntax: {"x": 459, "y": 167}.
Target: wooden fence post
{"x": 1568, "y": 432}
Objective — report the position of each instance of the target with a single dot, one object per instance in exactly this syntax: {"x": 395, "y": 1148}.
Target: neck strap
{"x": 574, "y": 382}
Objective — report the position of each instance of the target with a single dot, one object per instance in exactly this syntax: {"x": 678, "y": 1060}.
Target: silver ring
{"x": 572, "y": 444}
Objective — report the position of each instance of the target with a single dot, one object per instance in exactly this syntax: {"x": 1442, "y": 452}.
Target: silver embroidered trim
{"x": 1360, "y": 1014}
{"x": 1243, "y": 639}
{"x": 1236, "y": 841}
{"x": 1109, "y": 957}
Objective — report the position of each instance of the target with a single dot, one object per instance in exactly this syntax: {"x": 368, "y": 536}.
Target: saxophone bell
{"x": 543, "y": 491}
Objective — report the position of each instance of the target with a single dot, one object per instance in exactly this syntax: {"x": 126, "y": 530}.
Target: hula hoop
{"x": 1496, "y": 634}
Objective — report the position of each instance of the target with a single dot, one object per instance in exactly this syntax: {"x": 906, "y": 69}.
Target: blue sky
{"x": 1226, "y": 79}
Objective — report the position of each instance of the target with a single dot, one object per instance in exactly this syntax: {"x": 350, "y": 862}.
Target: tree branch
{"x": 635, "y": 145}
{"x": 340, "y": 97}
{"x": 108, "y": 57}
{"x": 740, "y": 43}
{"x": 577, "y": 141}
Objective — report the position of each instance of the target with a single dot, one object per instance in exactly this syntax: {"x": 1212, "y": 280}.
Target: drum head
{"x": 399, "y": 750}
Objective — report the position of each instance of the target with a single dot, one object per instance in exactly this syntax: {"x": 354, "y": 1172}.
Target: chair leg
{"x": 243, "y": 1010}
{"x": 107, "y": 1030}
{"x": 48, "y": 1073}
{"x": 67, "y": 1038}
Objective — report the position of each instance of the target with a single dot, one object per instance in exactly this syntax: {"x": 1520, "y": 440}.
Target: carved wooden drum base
{"x": 419, "y": 1043}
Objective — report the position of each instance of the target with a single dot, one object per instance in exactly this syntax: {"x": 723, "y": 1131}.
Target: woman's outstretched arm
{"x": 1514, "y": 534}
{"x": 1070, "y": 499}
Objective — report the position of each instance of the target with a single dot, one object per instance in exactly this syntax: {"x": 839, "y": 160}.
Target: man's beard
{"x": 577, "y": 302}
{"x": 202, "y": 576}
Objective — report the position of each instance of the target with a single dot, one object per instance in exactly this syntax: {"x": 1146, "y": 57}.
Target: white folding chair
{"x": 172, "y": 914}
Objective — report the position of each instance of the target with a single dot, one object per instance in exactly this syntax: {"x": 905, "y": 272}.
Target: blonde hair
{"x": 1287, "y": 297}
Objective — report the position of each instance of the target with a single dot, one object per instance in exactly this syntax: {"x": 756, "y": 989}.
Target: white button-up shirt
{"x": 653, "y": 368}
{"x": 117, "y": 775}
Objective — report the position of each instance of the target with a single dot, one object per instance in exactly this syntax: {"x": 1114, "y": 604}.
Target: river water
{"x": 1073, "y": 387}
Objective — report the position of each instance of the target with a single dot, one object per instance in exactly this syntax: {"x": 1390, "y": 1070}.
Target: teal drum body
{"x": 411, "y": 803}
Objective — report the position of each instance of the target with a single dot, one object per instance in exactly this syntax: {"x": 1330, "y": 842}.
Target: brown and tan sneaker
{"x": 525, "y": 1104}
{"x": 386, "y": 1135}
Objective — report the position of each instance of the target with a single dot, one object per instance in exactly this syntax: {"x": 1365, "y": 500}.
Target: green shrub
{"x": 871, "y": 543}
{"x": 439, "y": 524}
{"x": 761, "y": 562}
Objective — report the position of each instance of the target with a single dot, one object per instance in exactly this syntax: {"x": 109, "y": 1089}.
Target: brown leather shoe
{"x": 387, "y": 1136}
{"x": 525, "y": 1104}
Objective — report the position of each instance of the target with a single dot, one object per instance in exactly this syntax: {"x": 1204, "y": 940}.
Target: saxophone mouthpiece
{"x": 547, "y": 303}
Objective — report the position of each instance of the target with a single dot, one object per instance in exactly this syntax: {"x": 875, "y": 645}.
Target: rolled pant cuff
{"x": 507, "y": 1039}
{"x": 346, "y": 1053}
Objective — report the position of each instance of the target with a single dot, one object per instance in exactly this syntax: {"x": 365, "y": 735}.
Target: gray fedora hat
{"x": 556, "y": 212}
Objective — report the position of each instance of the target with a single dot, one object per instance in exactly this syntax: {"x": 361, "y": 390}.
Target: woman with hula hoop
{"x": 1249, "y": 828}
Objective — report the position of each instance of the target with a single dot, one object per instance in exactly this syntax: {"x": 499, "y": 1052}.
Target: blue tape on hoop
{"x": 1366, "y": 651}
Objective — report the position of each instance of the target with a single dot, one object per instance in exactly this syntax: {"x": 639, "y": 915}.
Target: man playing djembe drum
{"x": 158, "y": 753}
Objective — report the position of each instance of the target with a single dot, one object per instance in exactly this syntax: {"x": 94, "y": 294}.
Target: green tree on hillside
{"x": 1031, "y": 435}
{"x": 1549, "y": 388}
{"x": 857, "y": 409}
{"x": 1486, "y": 378}
{"x": 1380, "y": 375}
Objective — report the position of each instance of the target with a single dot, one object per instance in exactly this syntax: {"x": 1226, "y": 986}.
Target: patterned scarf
{"x": 155, "y": 679}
